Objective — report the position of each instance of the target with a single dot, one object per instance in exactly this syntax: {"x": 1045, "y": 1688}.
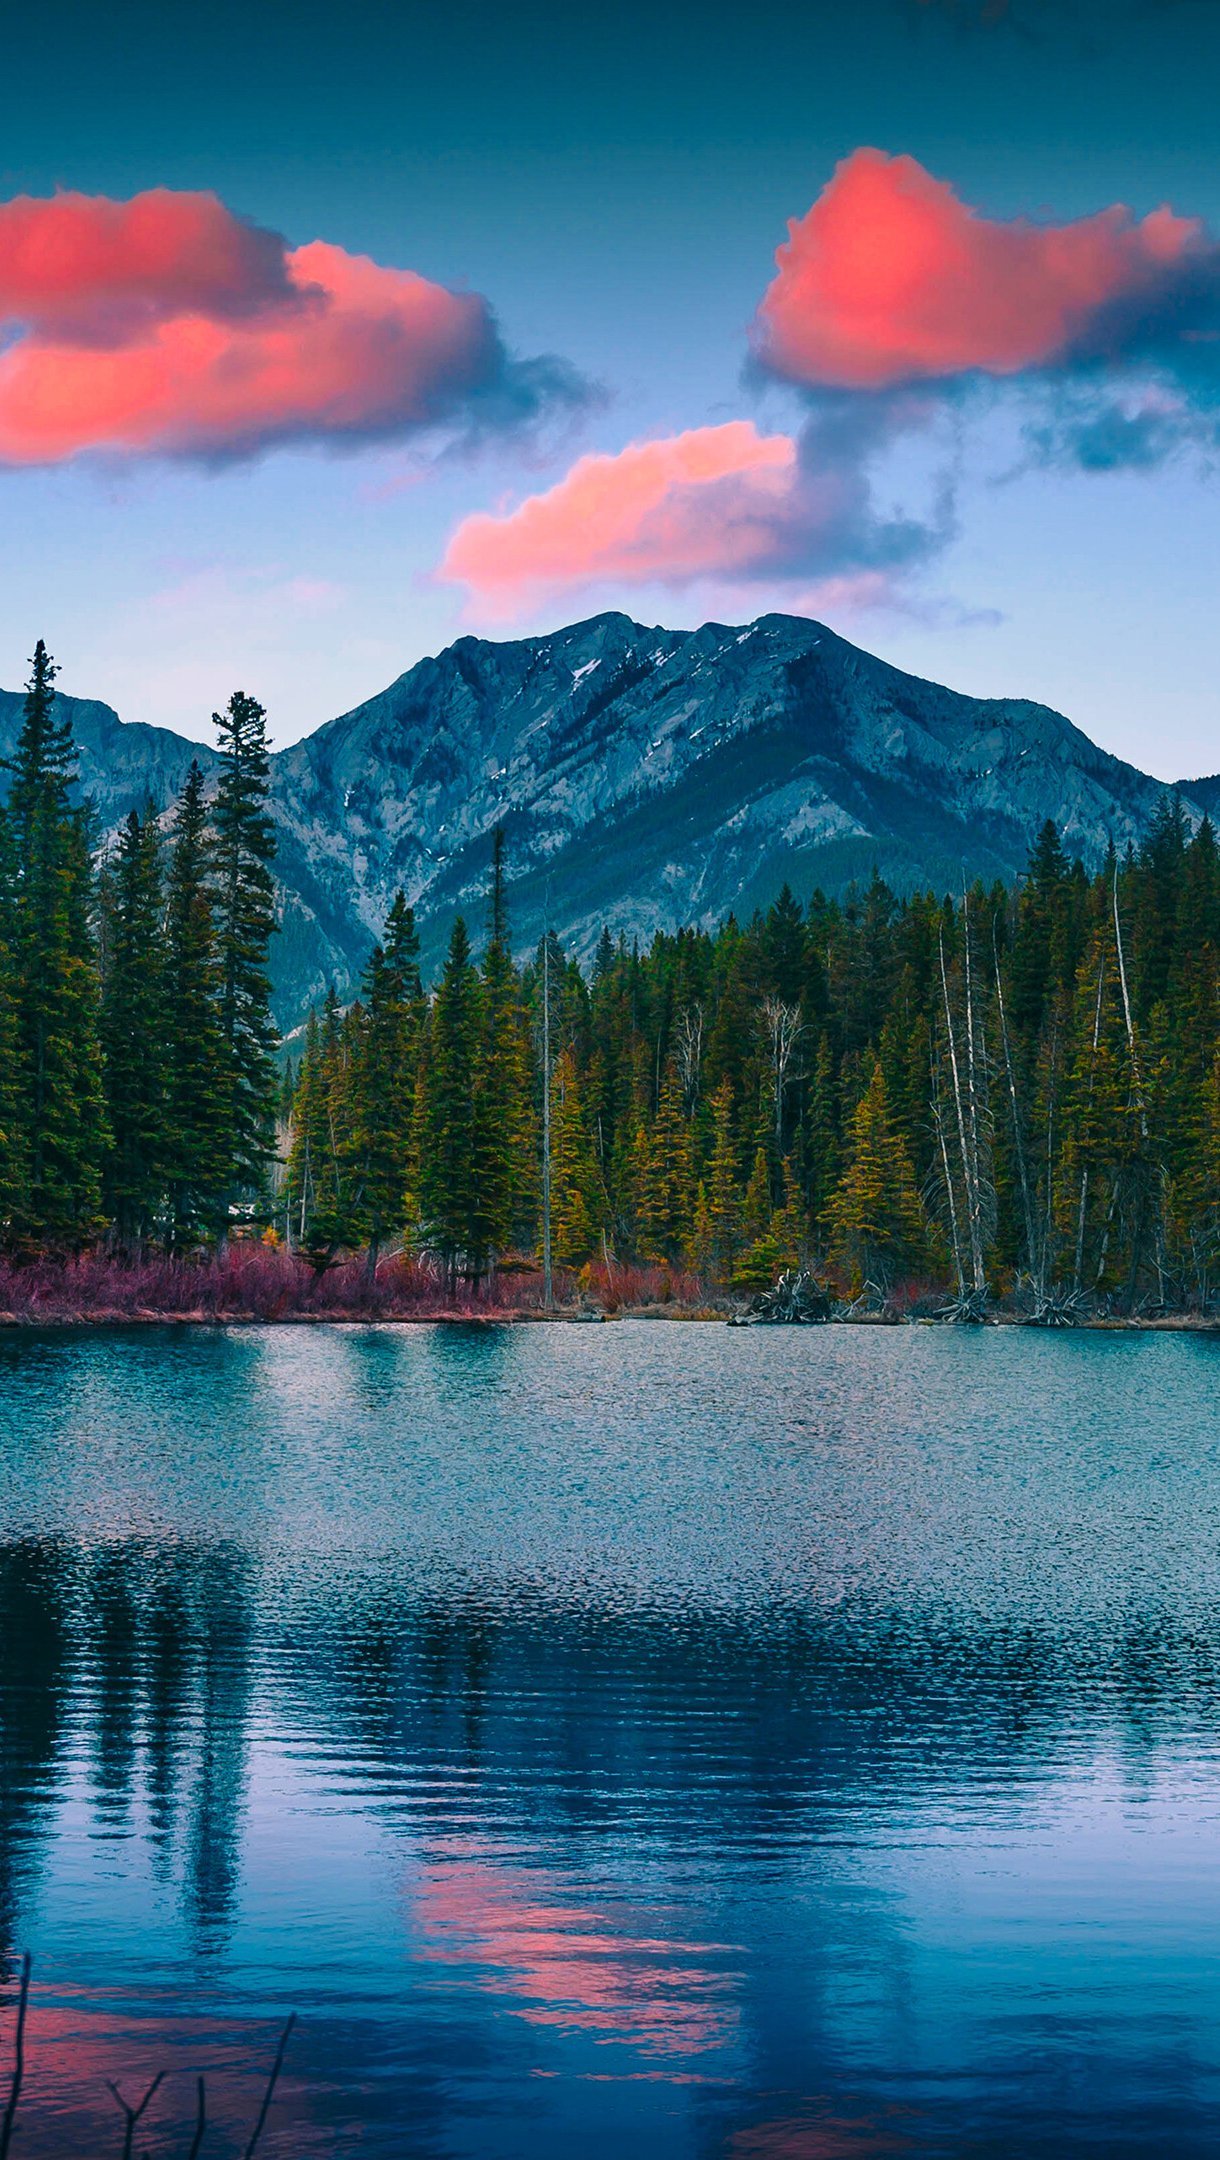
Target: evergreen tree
{"x": 195, "y": 1151}
{"x": 12, "y": 1150}
{"x": 452, "y": 1218}
{"x": 386, "y": 1059}
{"x": 577, "y": 1199}
{"x": 56, "y": 985}
{"x": 310, "y": 1141}
{"x": 503, "y": 1115}
{"x": 875, "y": 1221}
{"x": 760, "y": 1262}
{"x": 322, "y": 1196}
{"x": 666, "y": 1193}
{"x": 718, "y": 1224}
{"x": 244, "y": 913}
{"x": 133, "y": 1028}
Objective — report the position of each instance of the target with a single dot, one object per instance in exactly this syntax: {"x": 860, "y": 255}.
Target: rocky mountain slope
{"x": 644, "y": 778}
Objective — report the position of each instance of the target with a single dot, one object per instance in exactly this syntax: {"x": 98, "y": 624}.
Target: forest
{"x": 940, "y": 1102}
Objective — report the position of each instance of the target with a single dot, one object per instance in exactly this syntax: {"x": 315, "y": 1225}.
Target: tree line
{"x": 1007, "y": 1090}
{"x": 996, "y": 1091}
{"x": 138, "y": 1075}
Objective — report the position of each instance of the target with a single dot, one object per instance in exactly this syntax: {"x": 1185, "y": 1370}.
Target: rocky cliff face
{"x": 644, "y": 778}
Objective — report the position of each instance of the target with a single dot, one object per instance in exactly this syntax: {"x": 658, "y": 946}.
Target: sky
{"x": 330, "y": 334}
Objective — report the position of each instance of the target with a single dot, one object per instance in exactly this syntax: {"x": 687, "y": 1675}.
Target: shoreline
{"x": 56, "y": 1322}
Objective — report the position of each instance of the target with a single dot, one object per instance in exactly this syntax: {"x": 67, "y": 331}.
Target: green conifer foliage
{"x": 56, "y": 983}
{"x": 12, "y": 1148}
{"x": 244, "y": 912}
{"x": 383, "y": 1080}
{"x": 578, "y": 1201}
{"x": 322, "y": 1196}
{"x": 666, "y": 1187}
{"x": 134, "y": 1029}
{"x": 505, "y": 1126}
{"x": 875, "y": 1220}
{"x": 718, "y": 1228}
{"x": 452, "y": 1219}
{"x": 195, "y": 1152}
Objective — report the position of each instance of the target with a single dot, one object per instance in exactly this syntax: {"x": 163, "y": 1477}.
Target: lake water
{"x": 783, "y": 1745}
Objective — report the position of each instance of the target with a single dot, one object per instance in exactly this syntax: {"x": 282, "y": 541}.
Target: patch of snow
{"x": 578, "y": 674}
{"x": 746, "y": 634}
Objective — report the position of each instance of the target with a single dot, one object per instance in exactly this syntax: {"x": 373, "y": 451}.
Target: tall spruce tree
{"x": 452, "y": 1218}
{"x": 876, "y": 1223}
{"x": 244, "y": 912}
{"x": 502, "y": 1109}
{"x": 578, "y": 1201}
{"x": 56, "y": 983}
{"x": 323, "y": 1192}
{"x": 383, "y": 1082}
{"x": 134, "y": 1030}
{"x": 12, "y": 1148}
{"x": 195, "y": 1148}
{"x": 718, "y": 1216}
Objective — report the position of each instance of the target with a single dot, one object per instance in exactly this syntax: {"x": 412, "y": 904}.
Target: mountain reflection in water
{"x": 706, "y": 1743}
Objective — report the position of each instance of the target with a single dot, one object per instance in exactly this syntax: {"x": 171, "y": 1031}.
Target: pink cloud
{"x": 682, "y": 507}
{"x": 166, "y": 325}
{"x": 84, "y": 267}
{"x": 891, "y": 279}
{"x": 722, "y": 503}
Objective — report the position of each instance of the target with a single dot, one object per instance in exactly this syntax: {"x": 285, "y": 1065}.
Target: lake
{"x": 776, "y": 1744}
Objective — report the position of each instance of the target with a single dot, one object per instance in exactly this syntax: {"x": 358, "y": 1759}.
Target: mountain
{"x": 122, "y": 763}
{"x": 644, "y": 778}
{"x": 1204, "y": 794}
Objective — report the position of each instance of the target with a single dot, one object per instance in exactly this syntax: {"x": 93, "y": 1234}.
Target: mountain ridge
{"x": 645, "y": 778}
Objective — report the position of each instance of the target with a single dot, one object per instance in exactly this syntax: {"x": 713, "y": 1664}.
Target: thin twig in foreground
{"x": 271, "y": 2083}
{"x": 133, "y": 2114}
{"x": 14, "y": 2091}
{"x": 201, "y": 2121}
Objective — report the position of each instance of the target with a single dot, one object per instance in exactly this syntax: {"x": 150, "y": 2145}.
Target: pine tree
{"x": 309, "y": 1144}
{"x": 718, "y": 1224}
{"x": 504, "y": 1121}
{"x": 12, "y": 1150}
{"x": 788, "y": 1224}
{"x": 322, "y": 1194}
{"x": 57, "y": 991}
{"x": 759, "y": 1263}
{"x": 195, "y": 1151}
{"x": 133, "y": 1029}
{"x": 452, "y": 1221}
{"x": 666, "y": 1193}
{"x": 244, "y": 913}
{"x": 386, "y": 1059}
{"x": 1099, "y": 1171}
{"x": 578, "y": 1202}
{"x": 875, "y": 1222}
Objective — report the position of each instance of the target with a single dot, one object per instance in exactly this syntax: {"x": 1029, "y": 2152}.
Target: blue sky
{"x": 616, "y": 189}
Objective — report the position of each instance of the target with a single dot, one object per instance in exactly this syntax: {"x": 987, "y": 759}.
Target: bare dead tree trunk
{"x": 973, "y": 1114}
{"x": 1078, "y": 1272}
{"x": 1037, "y": 1262}
{"x": 955, "y": 1239}
{"x": 688, "y": 1050}
{"x": 970, "y": 1196}
{"x": 1141, "y": 1099}
{"x": 784, "y": 1031}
